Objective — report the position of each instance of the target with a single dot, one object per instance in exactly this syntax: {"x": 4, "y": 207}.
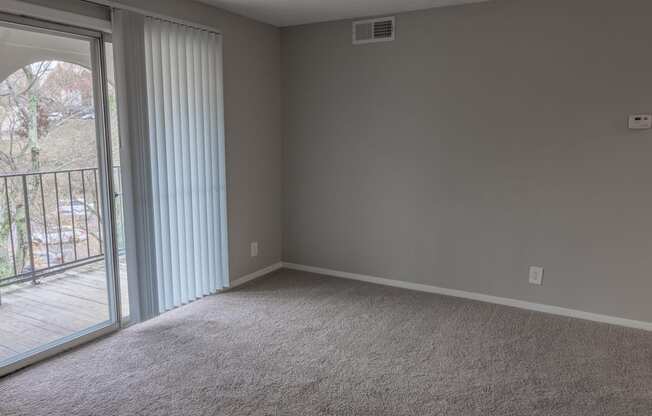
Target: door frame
{"x": 96, "y": 41}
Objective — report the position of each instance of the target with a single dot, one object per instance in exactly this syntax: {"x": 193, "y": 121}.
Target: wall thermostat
{"x": 640, "y": 121}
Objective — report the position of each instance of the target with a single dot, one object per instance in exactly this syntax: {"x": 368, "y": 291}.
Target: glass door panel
{"x": 56, "y": 250}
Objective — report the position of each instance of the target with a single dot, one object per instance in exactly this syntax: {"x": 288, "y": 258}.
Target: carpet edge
{"x": 521, "y": 304}
{"x": 255, "y": 275}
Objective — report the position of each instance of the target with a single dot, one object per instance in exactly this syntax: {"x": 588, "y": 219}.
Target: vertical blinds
{"x": 185, "y": 117}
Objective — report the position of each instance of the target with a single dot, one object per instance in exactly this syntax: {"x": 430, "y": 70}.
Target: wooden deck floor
{"x": 33, "y": 315}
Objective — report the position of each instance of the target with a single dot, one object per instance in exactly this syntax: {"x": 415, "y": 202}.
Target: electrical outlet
{"x": 254, "y": 249}
{"x": 640, "y": 121}
{"x": 536, "y": 275}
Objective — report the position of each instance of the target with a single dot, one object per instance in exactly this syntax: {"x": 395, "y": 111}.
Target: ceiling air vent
{"x": 374, "y": 30}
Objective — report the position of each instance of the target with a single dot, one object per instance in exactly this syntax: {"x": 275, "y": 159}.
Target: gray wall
{"x": 486, "y": 139}
{"x": 252, "y": 100}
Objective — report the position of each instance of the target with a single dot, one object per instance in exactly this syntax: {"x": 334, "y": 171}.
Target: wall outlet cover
{"x": 254, "y": 249}
{"x": 536, "y": 275}
{"x": 640, "y": 121}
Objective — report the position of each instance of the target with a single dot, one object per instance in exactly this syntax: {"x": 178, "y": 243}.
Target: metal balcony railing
{"x": 50, "y": 222}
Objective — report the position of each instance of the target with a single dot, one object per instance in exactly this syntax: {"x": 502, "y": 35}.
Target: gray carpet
{"x": 300, "y": 344}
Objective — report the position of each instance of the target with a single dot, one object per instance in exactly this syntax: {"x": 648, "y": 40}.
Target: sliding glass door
{"x": 59, "y": 262}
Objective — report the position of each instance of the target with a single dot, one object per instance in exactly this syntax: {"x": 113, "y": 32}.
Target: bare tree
{"x": 45, "y": 116}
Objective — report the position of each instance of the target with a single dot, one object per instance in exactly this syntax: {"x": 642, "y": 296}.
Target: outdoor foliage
{"x": 47, "y": 124}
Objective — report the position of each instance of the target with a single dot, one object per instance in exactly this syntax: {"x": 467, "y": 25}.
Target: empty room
{"x": 311, "y": 207}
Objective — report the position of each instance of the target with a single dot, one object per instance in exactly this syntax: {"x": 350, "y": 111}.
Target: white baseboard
{"x": 255, "y": 275}
{"x": 555, "y": 310}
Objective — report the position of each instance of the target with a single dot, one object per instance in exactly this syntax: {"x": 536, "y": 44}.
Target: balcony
{"x": 52, "y": 270}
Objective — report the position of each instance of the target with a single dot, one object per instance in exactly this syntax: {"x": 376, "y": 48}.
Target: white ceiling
{"x": 297, "y": 12}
